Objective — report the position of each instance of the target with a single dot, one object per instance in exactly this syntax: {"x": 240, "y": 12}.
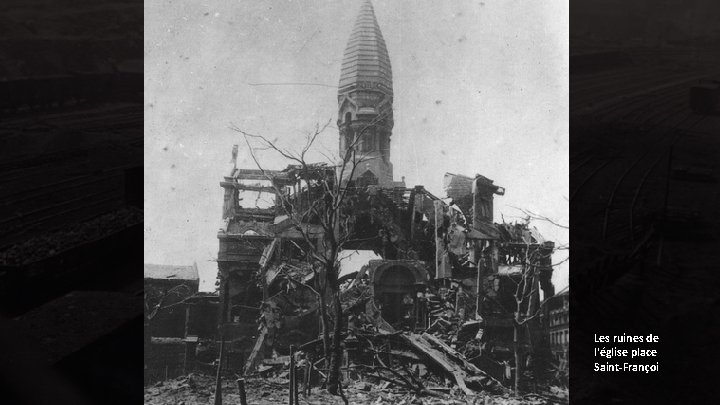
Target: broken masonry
{"x": 444, "y": 284}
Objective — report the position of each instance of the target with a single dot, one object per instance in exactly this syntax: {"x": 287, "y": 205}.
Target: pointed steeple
{"x": 366, "y": 57}
{"x": 365, "y": 96}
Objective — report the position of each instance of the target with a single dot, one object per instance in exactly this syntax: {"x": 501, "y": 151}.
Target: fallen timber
{"x": 453, "y": 363}
{"x": 416, "y": 349}
{"x": 253, "y": 359}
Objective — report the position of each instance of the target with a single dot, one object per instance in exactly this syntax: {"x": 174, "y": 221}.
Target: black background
{"x": 632, "y": 64}
{"x": 71, "y": 122}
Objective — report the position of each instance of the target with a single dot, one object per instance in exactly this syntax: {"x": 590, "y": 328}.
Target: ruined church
{"x": 436, "y": 266}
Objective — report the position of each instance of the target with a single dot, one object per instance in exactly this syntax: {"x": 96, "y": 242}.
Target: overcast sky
{"x": 480, "y": 87}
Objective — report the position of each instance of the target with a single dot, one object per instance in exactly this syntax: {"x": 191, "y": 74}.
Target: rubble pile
{"x": 195, "y": 389}
{"x": 449, "y": 358}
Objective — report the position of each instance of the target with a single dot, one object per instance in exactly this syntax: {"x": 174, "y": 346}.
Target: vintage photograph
{"x": 356, "y": 202}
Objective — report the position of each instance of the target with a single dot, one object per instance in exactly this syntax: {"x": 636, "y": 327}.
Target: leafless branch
{"x": 531, "y": 215}
{"x": 178, "y": 290}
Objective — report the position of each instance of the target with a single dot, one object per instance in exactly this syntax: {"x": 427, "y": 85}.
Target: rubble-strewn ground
{"x": 196, "y": 389}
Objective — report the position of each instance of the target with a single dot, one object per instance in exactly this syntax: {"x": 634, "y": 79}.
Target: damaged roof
{"x": 521, "y": 233}
{"x": 170, "y": 272}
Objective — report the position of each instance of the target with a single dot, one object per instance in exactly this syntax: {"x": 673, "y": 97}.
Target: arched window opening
{"x": 394, "y": 294}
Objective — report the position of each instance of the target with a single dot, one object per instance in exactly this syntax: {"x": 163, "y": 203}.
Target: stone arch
{"x": 393, "y": 283}
{"x": 418, "y": 274}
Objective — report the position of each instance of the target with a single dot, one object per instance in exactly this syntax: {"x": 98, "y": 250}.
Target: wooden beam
{"x": 253, "y": 358}
{"x": 440, "y": 359}
{"x": 246, "y": 187}
{"x": 276, "y": 176}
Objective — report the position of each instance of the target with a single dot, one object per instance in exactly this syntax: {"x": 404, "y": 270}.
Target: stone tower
{"x": 365, "y": 98}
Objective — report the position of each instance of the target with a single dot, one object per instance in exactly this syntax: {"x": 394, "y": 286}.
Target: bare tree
{"x": 533, "y": 258}
{"x": 323, "y": 199}
{"x": 155, "y": 301}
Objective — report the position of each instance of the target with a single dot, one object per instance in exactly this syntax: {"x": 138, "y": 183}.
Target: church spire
{"x": 366, "y": 58}
{"x": 365, "y": 98}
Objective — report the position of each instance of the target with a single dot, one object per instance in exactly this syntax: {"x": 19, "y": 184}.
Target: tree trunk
{"x": 337, "y": 352}
{"x": 518, "y": 362}
{"x": 325, "y": 328}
